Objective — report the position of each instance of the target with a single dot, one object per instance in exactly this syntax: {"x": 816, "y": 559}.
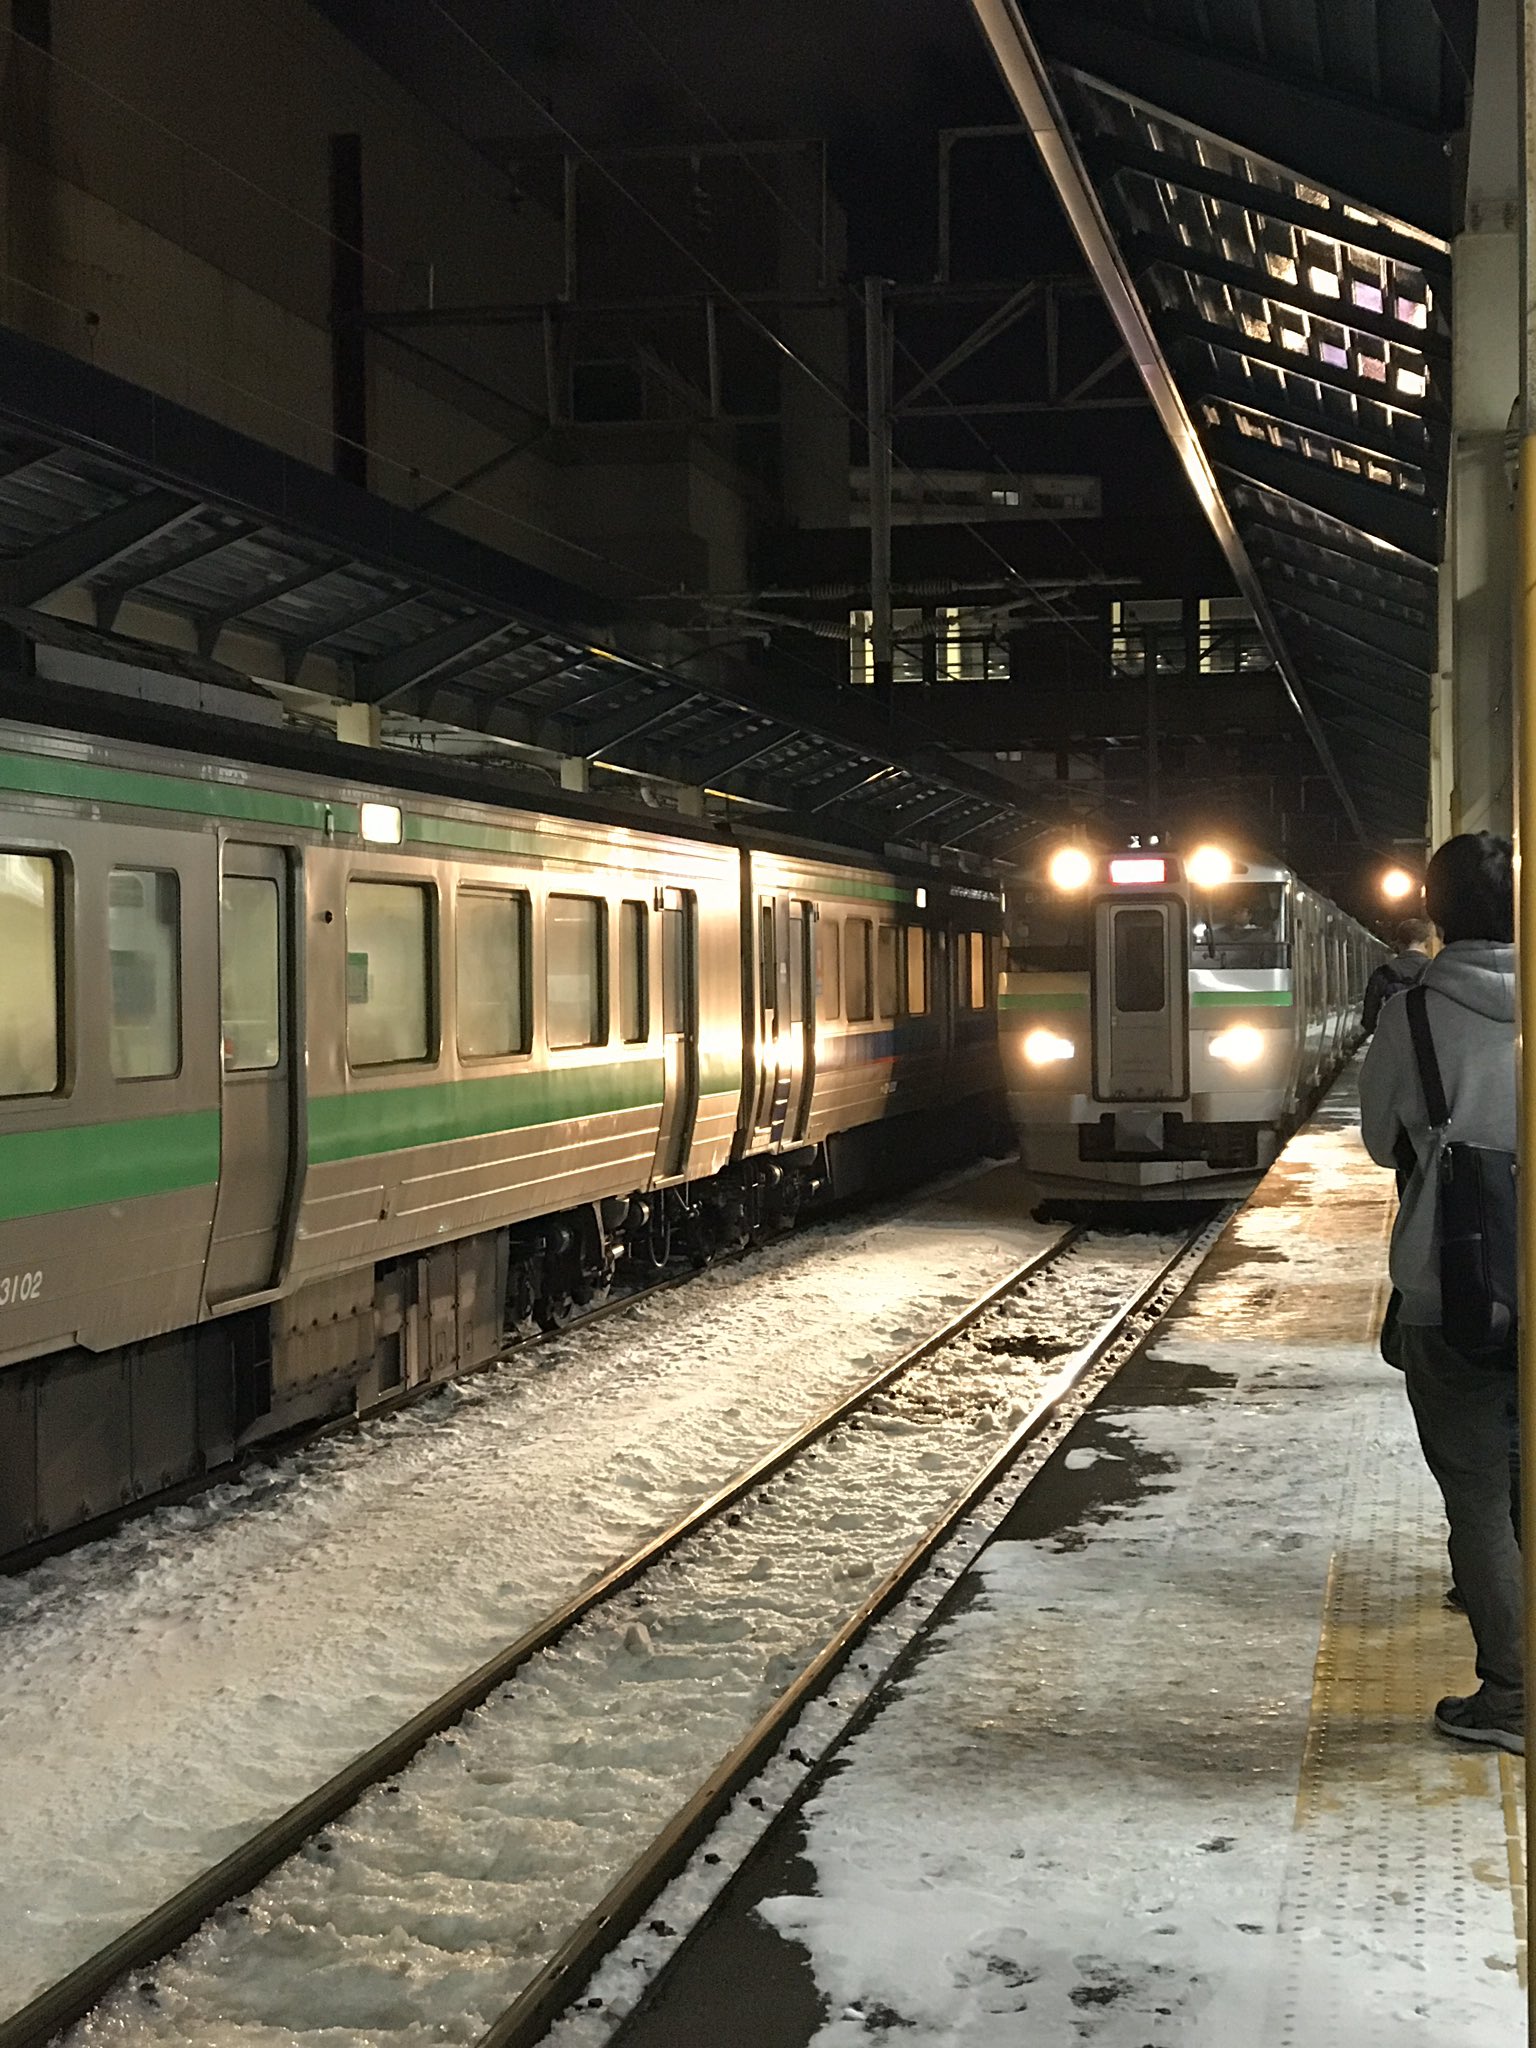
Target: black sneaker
{"x": 1473, "y": 1720}
{"x": 1455, "y": 1599}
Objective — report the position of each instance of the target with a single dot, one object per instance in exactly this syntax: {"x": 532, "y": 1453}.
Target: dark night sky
{"x": 877, "y": 79}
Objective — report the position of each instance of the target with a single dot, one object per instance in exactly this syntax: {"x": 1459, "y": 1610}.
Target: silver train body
{"x": 1160, "y": 1038}
{"x": 309, "y": 1090}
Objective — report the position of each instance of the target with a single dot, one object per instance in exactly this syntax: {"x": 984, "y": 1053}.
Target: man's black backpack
{"x": 1479, "y": 1236}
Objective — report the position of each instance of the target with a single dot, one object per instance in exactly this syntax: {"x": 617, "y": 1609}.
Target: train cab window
{"x": 144, "y": 944}
{"x": 915, "y": 942}
{"x": 1241, "y": 925}
{"x": 856, "y": 969}
{"x": 634, "y": 973}
{"x": 492, "y": 952}
{"x": 575, "y": 981}
{"x": 389, "y": 975}
{"x": 829, "y": 994}
{"x": 1050, "y": 935}
{"x": 887, "y": 970}
{"x": 30, "y": 1037}
{"x": 249, "y": 974}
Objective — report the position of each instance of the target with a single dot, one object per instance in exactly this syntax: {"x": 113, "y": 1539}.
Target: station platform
{"x": 1163, "y": 1775}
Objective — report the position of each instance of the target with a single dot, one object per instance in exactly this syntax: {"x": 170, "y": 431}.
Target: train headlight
{"x": 1397, "y": 883}
{"x": 1070, "y": 868}
{"x": 1241, "y": 1046}
{"x": 1208, "y": 867}
{"x": 1044, "y": 1048}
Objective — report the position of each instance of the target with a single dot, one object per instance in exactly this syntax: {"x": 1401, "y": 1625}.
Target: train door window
{"x": 250, "y": 974}
{"x": 1141, "y": 982}
{"x": 829, "y": 994}
{"x": 915, "y": 942}
{"x": 676, "y": 1010}
{"x": 144, "y": 943}
{"x": 30, "y": 1037}
{"x": 887, "y": 977}
{"x": 856, "y": 969}
{"x": 575, "y": 937}
{"x": 796, "y": 968}
{"x": 635, "y": 974}
{"x": 492, "y": 973}
{"x": 979, "y": 994}
{"x": 389, "y": 973}
{"x": 768, "y": 960}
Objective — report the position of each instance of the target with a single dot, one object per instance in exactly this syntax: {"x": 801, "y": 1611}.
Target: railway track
{"x": 938, "y": 1425}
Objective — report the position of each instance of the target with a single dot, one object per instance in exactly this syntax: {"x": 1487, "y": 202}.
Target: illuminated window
{"x": 1410, "y": 312}
{"x": 1324, "y": 282}
{"x": 1412, "y": 383}
{"x": 1368, "y": 297}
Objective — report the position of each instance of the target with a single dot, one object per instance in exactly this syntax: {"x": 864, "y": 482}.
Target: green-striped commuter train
{"x": 309, "y": 1091}
{"x": 1167, "y": 1019}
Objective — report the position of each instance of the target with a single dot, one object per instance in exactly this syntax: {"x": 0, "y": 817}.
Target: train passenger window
{"x": 634, "y": 973}
{"x": 389, "y": 978}
{"x": 796, "y": 968}
{"x": 916, "y": 943}
{"x": 887, "y": 977}
{"x": 30, "y": 1046}
{"x": 249, "y": 974}
{"x": 856, "y": 968}
{"x": 492, "y": 951}
{"x": 575, "y": 984}
{"x": 769, "y": 959}
{"x": 1141, "y": 982}
{"x": 144, "y": 944}
{"x": 829, "y": 995}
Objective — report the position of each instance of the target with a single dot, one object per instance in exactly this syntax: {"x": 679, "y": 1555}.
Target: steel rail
{"x": 61, "y": 2004}
{"x": 549, "y": 1994}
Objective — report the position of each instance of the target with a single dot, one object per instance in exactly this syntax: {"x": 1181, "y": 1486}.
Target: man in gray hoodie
{"x": 1462, "y": 1408}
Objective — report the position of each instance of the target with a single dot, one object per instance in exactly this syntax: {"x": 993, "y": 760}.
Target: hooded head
{"x": 1469, "y": 889}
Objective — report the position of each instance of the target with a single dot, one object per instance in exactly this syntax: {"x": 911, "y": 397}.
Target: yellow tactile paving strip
{"x": 1406, "y": 1848}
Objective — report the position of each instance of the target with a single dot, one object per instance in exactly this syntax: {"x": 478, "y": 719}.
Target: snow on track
{"x": 418, "y": 1916}
{"x": 167, "y": 1690}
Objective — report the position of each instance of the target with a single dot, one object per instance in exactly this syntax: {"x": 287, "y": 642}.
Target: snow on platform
{"x": 1164, "y": 1775}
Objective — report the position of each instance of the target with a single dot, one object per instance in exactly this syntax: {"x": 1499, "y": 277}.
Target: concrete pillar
{"x": 1471, "y": 732}
{"x": 359, "y": 725}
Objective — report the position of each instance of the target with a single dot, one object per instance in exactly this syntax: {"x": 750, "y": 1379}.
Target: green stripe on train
{"x": 85, "y": 1166}
{"x": 395, "y": 1119}
{"x": 1276, "y": 998}
{"x": 1046, "y": 999}
{"x": 44, "y": 775}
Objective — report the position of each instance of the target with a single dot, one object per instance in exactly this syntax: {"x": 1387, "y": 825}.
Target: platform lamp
{"x": 1525, "y": 841}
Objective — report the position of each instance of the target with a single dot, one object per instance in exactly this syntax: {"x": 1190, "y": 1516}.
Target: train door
{"x": 258, "y": 1122}
{"x": 679, "y": 1031}
{"x": 1140, "y": 1000}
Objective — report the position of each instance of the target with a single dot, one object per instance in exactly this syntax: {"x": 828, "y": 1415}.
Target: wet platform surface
{"x": 1163, "y": 1773}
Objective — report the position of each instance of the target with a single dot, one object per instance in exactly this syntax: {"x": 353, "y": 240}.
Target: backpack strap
{"x": 1417, "y": 1001}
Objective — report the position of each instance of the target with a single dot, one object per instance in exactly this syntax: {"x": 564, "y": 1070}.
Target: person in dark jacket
{"x": 1401, "y": 971}
{"x": 1462, "y": 1408}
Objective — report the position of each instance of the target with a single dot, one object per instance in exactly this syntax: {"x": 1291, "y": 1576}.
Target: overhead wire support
{"x": 877, "y": 365}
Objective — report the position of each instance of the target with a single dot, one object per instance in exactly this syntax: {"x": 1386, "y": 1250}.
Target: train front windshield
{"x": 1241, "y": 925}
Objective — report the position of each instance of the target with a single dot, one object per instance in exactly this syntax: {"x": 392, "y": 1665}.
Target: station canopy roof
{"x": 1295, "y": 337}
{"x": 118, "y": 508}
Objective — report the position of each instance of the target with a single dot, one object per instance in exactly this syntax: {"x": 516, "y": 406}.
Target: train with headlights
{"x": 1168, "y": 1019}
